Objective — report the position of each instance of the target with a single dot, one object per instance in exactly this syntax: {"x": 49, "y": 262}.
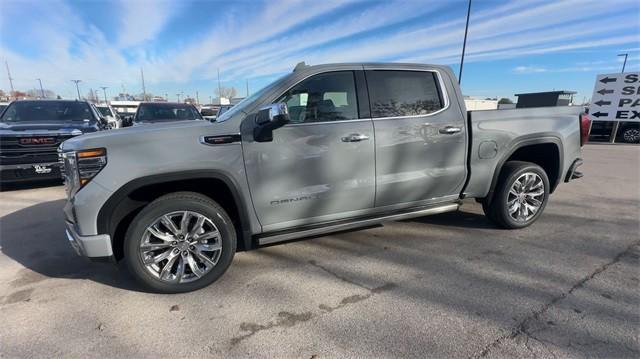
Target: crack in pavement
{"x": 287, "y": 319}
{"x": 522, "y": 327}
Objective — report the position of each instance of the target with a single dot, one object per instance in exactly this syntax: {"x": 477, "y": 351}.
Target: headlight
{"x": 81, "y": 166}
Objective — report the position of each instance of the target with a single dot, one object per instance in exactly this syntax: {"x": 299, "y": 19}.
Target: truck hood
{"x": 134, "y": 138}
{"x": 70, "y": 127}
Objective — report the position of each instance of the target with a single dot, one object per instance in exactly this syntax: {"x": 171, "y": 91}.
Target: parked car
{"x": 208, "y": 113}
{"x": 32, "y": 130}
{"x": 323, "y": 149}
{"x": 153, "y": 112}
{"x": 3, "y": 105}
{"x": 629, "y": 132}
{"x": 222, "y": 109}
{"x": 113, "y": 119}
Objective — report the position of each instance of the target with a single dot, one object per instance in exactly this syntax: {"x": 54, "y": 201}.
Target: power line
{"x": 77, "y": 87}
{"x": 104, "y": 89}
{"x": 41, "y": 89}
{"x": 464, "y": 44}
{"x": 10, "y": 78}
{"x": 625, "y": 61}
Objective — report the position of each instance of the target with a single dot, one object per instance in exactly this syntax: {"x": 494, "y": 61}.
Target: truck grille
{"x": 26, "y": 149}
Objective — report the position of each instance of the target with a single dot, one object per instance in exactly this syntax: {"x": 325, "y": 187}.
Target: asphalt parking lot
{"x": 449, "y": 285}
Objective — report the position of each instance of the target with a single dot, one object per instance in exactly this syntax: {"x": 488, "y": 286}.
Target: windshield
{"x": 105, "y": 111}
{"x": 166, "y": 112}
{"x": 240, "y": 106}
{"x": 47, "y": 111}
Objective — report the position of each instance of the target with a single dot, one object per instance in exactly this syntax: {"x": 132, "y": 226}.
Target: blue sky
{"x": 513, "y": 46}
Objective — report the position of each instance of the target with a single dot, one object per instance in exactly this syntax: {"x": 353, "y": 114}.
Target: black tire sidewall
{"x": 171, "y": 203}
{"x": 514, "y": 171}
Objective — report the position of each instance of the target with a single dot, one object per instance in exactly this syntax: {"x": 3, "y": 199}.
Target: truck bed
{"x": 496, "y": 135}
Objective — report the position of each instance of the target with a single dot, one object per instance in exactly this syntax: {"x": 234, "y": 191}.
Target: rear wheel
{"x": 180, "y": 242}
{"x": 520, "y": 195}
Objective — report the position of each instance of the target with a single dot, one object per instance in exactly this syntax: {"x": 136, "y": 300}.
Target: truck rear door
{"x": 420, "y": 135}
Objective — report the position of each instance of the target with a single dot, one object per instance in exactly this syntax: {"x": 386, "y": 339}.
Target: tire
{"x": 180, "y": 259}
{"x": 499, "y": 209}
{"x": 631, "y": 135}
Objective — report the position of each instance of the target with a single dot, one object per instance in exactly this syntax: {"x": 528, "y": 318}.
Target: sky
{"x": 512, "y": 46}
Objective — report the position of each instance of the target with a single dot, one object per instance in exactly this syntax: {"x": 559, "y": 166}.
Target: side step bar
{"x": 268, "y": 239}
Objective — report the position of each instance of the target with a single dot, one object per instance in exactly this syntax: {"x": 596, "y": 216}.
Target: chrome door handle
{"x": 355, "y": 137}
{"x": 449, "y": 130}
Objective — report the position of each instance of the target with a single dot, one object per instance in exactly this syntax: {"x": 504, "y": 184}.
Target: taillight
{"x": 585, "y": 123}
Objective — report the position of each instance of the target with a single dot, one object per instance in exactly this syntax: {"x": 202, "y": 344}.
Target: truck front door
{"x": 320, "y": 166}
{"x": 420, "y": 136}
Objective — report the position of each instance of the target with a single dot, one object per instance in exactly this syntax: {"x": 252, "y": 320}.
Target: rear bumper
{"x": 30, "y": 172}
{"x": 97, "y": 246}
{"x": 573, "y": 172}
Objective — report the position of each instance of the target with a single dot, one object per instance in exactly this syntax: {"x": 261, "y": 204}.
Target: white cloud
{"x": 142, "y": 20}
{"x": 529, "y": 69}
{"x": 263, "y": 42}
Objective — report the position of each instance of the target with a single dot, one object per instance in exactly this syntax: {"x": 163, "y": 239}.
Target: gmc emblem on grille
{"x": 38, "y": 141}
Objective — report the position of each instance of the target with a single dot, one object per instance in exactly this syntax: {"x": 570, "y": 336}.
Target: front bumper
{"x": 96, "y": 246}
{"x": 30, "y": 172}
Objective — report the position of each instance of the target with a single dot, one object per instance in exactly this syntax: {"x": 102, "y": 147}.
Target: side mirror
{"x": 268, "y": 119}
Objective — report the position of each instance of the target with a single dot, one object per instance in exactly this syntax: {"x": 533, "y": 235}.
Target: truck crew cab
{"x": 325, "y": 148}
{"x": 32, "y": 130}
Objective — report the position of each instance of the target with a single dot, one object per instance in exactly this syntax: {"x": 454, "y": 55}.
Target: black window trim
{"x": 359, "y": 103}
{"x": 442, "y": 90}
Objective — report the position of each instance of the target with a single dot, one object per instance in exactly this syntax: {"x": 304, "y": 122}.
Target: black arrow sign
{"x": 603, "y": 91}
{"x": 608, "y": 79}
{"x": 602, "y": 103}
{"x": 600, "y": 114}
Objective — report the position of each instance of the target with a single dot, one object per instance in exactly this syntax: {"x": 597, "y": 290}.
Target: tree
{"x": 227, "y": 92}
{"x": 505, "y": 101}
{"x": 36, "y": 93}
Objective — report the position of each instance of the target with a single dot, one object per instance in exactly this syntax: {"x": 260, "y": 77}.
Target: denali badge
{"x": 37, "y": 141}
{"x": 42, "y": 169}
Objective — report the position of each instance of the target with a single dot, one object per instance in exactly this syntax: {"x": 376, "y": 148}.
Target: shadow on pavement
{"x": 34, "y": 237}
{"x": 17, "y": 186}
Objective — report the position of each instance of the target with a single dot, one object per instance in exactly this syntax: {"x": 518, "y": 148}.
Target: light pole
{"x": 625, "y": 61}
{"x": 464, "y": 44}
{"x": 104, "y": 90}
{"x": 77, "y": 88}
{"x": 178, "y": 97}
{"x": 41, "y": 89}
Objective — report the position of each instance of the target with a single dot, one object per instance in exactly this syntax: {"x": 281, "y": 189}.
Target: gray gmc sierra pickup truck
{"x": 325, "y": 148}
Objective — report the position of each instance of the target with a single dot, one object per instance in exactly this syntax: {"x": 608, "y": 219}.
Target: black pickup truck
{"x": 32, "y": 130}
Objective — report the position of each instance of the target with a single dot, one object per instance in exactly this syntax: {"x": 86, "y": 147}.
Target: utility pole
{"x": 210, "y": 100}
{"x": 77, "y": 87}
{"x": 10, "y": 79}
{"x": 219, "y": 87}
{"x": 197, "y": 98}
{"x": 104, "y": 90}
{"x": 41, "y": 89}
{"x": 464, "y": 44}
{"x": 144, "y": 90}
{"x": 247, "y": 88}
{"x": 625, "y": 61}
{"x": 178, "y": 95}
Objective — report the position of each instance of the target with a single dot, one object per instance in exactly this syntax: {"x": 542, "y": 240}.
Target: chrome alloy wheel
{"x": 631, "y": 135}
{"x": 180, "y": 247}
{"x": 525, "y": 197}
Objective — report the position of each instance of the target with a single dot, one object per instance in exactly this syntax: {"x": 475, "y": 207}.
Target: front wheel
{"x": 520, "y": 195}
{"x": 180, "y": 242}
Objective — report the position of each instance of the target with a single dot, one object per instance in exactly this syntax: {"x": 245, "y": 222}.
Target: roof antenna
{"x": 299, "y": 66}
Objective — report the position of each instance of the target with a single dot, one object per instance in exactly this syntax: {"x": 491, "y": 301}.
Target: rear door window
{"x": 395, "y": 93}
